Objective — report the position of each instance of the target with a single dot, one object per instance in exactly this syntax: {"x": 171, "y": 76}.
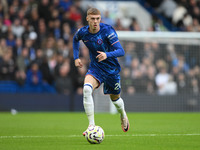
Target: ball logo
{"x": 99, "y": 41}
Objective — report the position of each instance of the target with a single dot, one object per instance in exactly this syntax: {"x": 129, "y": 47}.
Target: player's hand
{"x": 78, "y": 63}
{"x": 101, "y": 56}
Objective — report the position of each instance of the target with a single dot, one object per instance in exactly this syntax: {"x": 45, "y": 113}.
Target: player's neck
{"x": 93, "y": 31}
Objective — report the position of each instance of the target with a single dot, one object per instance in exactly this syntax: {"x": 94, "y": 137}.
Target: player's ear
{"x": 87, "y": 18}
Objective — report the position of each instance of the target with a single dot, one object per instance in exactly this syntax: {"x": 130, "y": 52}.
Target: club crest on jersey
{"x": 99, "y": 41}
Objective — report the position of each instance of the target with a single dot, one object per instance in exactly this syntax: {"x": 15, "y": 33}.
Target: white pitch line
{"x": 31, "y": 136}
{"x": 194, "y": 134}
{"x": 70, "y": 136}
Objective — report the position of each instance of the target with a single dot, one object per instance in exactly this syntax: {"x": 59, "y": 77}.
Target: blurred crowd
{"x": 158, "y": 68}
{"x": 184, "y": 14}
{"x": 36, "y": 49}
{"x": 36, "y": 43}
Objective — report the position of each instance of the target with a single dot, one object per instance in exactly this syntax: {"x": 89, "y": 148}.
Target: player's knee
{"x": 87, "y": 90}
{"x": 114, "y": 97}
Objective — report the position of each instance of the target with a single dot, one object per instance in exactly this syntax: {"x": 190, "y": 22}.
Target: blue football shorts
{"x": 111, "y": 82}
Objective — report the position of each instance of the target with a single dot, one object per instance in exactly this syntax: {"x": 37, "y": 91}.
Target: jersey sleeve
{"x": 118, "y": 51}
{"x": 76, "y": 44}
{"x": 114, "y": 42}
{"x": 112, "y": 36}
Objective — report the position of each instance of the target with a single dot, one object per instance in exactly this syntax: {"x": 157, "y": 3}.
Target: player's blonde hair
{"x": 93, "y": 11}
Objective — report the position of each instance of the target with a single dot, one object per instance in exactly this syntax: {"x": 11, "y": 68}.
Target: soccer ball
{"x": 94, "y": 134}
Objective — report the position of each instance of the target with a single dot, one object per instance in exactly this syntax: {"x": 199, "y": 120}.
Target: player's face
{"x": 94, "y": 21}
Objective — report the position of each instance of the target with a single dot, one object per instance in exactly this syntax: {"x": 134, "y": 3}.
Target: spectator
{"x": 44, "y": 10}
{"x": 20, "y": 77}
{"x": 57, "y": 29}
{"x": 134, "y": 25}
{"x": 47, "y": 74}
{"x": 34, "y": 77}
{"x": 23, "y": 60}
{"x": 17, "y": 50}
{"x": 17, "y": 28}
{"x": 13, "y": 10}
{"x": 119, "y": 25}
{"x": 107, "y": 19}
{"x": 127, "y": 82}
{"x": 21, "y": 14}
{"x": 55, "y": 14}
{"x": 42, "y": 33}
{"x": 167, "y": 8}
{"x": 63, "y": 82}
{"x": 158, "y": 25}
{"x": 74, "y": 14}
{"x": 180, "y": 63}
{"x": 182, "y": 83}
{"x": 164, "y": 82}
{"x": 196, "y": 12}
{"x": 65, "y": 5}
{"x": 77, "y": 4}
{"x": 55, "y": 5}
{"x": 60, "y": 61}
{"x": 3, "y": 47}
{"x": 148, "y": 51}
{"x": 178, "y": 15}
{"x": 27, "y": 30}
{"x": 26, "y": 6}
{"x": 7, "y": 66}
{"x": 34, "y": 81}
{"x": 50, "y": 49}
{"x": 151, "y": 86}
{"x": 52, "y": 62}
{"x": 62, "y": 48}
{"x": 10, "y": 41}
{"x": 4, "y": 8}
{"x": 194, "y": 86}
{"x": 39, "y": 56}
{"x": 34, "y": 19}
{"x": 137, "y": 76}
{"x": 66, "y": 19}
{"x": 31, "y": 48}
{"x": 2, "y": 29}
{"x": 195, "y": 26}
{"x": 66, "y": 33}
{"x": 130, "y": 53}
{"x": 7, "y": 20}
{"x": 135, "y": 68}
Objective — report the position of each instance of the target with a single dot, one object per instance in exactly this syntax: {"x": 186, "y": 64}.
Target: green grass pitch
{"x": 63, "y": 131}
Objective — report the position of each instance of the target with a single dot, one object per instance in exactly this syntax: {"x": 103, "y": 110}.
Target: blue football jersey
{"x": 105, "y": 41}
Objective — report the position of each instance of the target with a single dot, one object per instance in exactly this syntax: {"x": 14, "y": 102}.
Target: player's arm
{"x": 115, "y": 44}
{"x": 76, "y": 44}
{"x": 118, "y": 52}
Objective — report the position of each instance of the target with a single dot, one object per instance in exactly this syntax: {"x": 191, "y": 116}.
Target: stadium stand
{"x": 40, "y": 32}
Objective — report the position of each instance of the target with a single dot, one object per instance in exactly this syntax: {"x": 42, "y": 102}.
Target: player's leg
{"x": 113, "y": 88}
{"x": 90, "y": 83}
{"x": 119, "y": 104}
